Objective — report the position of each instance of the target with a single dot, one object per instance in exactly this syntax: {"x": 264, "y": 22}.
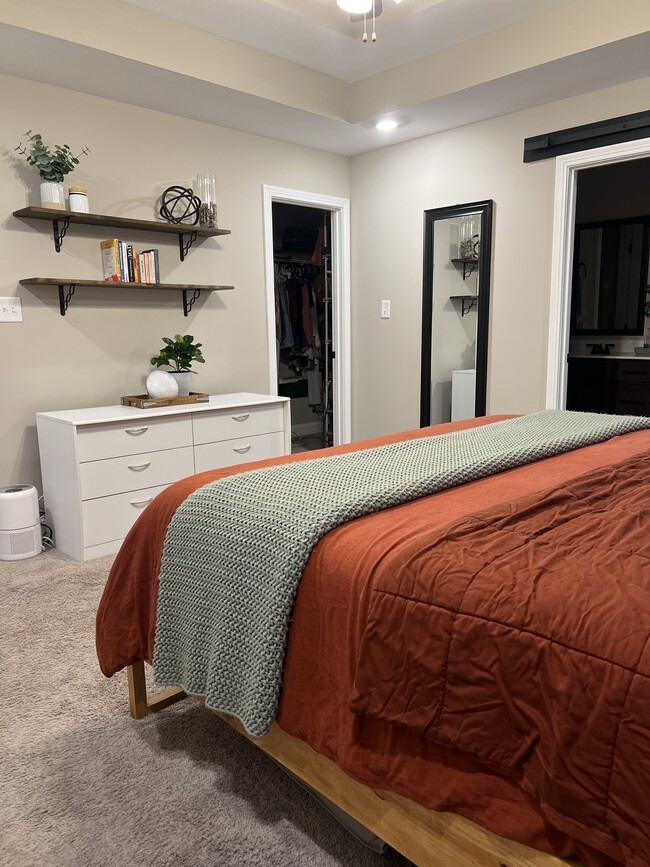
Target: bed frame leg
{"x": 140, "y": 705}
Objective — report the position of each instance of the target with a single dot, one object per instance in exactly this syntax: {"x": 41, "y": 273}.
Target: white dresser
{"x": 102, "y": 466}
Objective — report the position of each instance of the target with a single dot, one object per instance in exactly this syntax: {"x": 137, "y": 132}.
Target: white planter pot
{"x": 52, "y": 195}
{"x": 183, "y": 378}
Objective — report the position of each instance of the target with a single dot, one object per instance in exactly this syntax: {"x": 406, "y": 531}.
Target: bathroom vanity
{"x": 618, "y": 384}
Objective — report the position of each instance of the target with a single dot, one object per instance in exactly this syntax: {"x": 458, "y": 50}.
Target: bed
{"x": 559, "y": 766}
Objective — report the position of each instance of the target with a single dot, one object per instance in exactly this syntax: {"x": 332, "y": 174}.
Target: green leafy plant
{"x": 52, "y": 162}
{"x": 179, "y": 353}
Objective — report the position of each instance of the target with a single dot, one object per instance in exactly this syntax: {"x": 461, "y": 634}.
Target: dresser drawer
{"x": 211, "y": 427}
{"x": 634, "y": 371}
{"x": 119, "y": 475}
{"x": 627, "y": 406}
{"x": 109, "y": 518}
{"x": 132, "y": 438}
{"x": 633, "y": 398}
{"x": 211, "y": 456}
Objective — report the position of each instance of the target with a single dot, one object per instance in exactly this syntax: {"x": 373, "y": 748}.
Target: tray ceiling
{"x": 319, "y": 35}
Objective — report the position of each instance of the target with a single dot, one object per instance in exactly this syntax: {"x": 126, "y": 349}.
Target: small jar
{"x": 78, "y": 200}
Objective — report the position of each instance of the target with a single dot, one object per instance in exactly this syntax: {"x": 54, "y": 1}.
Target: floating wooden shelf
{"x": 467, "y": 302}
{"x": 469, "y": 263}
{"x": 61, "y": 220}
{"x": 67, "y": 287}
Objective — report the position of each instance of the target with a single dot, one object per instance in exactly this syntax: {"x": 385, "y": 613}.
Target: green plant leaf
{"x": 179, "y": 353}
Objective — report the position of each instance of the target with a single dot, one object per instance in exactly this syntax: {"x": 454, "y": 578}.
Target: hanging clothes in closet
{"x": 298, "y": 324}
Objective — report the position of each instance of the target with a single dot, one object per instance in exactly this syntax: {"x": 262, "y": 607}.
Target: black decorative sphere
{"x": 180, "y": 205}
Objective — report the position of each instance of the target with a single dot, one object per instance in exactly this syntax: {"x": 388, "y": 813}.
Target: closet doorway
{"x": 308, "y": 321}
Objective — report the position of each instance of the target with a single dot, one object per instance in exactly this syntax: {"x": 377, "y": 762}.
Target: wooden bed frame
{"x": 426, "y": 837}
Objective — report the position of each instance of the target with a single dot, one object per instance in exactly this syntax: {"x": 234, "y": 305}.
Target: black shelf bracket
{"x": 64, "y": 297}
{"x": 59, "y": 232}
{"x": 188, "y": 304}
{"x": 466, "y": 305}
{"x": 185, "y": 241}
{"x": 469, "y": 268}
{"x": 469, "y": 263}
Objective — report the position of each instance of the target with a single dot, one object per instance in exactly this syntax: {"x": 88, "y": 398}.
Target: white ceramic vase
{"x": 52, "y": 195}
{"x": 183, "y": 378}
{"x": 161, "y": 384}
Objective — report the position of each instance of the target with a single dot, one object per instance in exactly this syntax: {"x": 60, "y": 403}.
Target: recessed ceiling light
{"x": 386, "y": 125}
{"x": 355, "y": 7}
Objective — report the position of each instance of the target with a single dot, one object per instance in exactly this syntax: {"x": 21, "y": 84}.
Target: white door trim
{"x": 341, "y": 331}
{"x": 566, "y": 168}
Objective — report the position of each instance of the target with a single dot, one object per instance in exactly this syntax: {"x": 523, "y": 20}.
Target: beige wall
{"x": 390, "y": 190}
{"x": 100, "y": 350}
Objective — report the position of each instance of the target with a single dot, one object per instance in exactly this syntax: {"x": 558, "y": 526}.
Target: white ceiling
{"x": 319, "y": 35}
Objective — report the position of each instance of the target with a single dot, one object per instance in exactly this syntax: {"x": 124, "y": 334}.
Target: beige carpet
{"x": 83, "y": 784}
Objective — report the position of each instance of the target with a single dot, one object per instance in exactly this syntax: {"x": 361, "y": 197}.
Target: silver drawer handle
{"x": 135, "y": 431}
{"x": 242, "y": 450}
{"x": 241, "y": 417}
{"x": 141, "y": 502}
{"x": 138, "y": 467}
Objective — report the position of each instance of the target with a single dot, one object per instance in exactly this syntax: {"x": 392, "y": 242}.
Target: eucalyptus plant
{"x": 179, "y": 353}
{"x": 52, "y": 162}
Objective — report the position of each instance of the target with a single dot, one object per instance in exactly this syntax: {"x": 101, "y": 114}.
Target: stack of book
{"x": 123, "y": 264}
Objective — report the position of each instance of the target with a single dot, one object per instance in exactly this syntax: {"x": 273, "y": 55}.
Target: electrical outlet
{"x": 385, "y": 309}
{"x": 11, "y": 310}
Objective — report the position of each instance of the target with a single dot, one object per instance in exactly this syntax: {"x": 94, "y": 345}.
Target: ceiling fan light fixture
{"x": 355, "y": 7}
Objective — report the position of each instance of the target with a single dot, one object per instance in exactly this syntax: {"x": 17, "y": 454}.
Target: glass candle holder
{"x": 466, "y": 248}
{"x": 470, "y": 228}
{"x": 207, "y": 192}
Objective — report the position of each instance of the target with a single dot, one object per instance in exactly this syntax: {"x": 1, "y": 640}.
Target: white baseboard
{"x": 308, "y": 428}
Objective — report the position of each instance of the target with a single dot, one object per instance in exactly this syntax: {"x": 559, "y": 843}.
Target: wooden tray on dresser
{"x": 143, "y": 401}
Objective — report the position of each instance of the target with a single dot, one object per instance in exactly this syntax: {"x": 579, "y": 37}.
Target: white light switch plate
{"x": 385, "y": 309}
{"x": 11, "y": 310}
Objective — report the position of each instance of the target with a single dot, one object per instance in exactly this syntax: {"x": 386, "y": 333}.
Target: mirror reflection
{"x": 610, "y": 273}
{"x": 455, "y": 312}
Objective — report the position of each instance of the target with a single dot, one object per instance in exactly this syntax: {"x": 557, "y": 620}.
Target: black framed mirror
{"x": 611, "y": 272}
{"x": 455, "y": 311}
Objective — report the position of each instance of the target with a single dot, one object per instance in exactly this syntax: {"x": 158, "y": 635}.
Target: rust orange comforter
{"x": 541, "y": 736}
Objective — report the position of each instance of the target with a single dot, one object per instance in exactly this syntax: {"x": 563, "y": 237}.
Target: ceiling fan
{"x": 359, "y": 9}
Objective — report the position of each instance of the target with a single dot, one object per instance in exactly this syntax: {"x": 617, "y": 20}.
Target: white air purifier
{"x": 463, "y": 394}
{"x": 20, "y": 525}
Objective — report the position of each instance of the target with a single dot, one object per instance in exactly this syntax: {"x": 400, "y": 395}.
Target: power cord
{"x": 46, "y": 530}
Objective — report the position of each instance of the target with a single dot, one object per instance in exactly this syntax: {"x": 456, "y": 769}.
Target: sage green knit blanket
{"x": 236, "y": 548}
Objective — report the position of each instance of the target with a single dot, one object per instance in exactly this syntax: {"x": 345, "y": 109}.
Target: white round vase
{"x": 52, "y": 195}
{"x": 161, "y": 384}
